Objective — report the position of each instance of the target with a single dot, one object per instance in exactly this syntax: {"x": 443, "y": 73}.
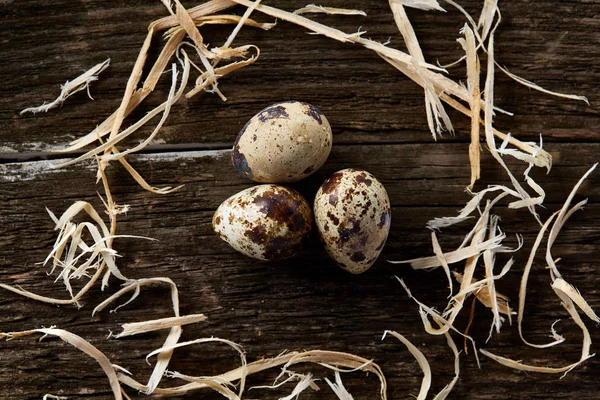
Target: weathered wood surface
{"x": 366, "y": 100}
{"x": 307, "y": 303}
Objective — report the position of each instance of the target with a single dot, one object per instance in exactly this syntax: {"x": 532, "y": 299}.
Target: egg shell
{"x": 285, "y": 142}
{"x": 353, "y": 216}
{"x": 267, "y": 222}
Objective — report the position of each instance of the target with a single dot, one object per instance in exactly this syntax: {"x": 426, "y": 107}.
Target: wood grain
{"x": 299, "y": 304}
{"x": 379, "y": 124}
{"x": 553, "y": 43}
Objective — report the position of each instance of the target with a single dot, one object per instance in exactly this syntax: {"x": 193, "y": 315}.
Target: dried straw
{"x": 71, "y": 87}
{"x": 314, "y": 9}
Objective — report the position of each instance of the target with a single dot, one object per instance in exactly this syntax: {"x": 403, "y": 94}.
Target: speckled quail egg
{"x": 353, "y": 215}
{"x": 267, "y": 222}
{"x": 285, "y": 142}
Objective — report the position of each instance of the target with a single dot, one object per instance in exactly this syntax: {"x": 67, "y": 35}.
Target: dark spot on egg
{"x": 282, "y": 247}
{"x": 347, "y": 233}
{"x": 240, "y": 163}
{"x": 273, "y": 112}
{"x": 254, "y": 137}
{"x": 385, "y": 218}
{"x": 275, "y": 247}
{"x": 358, "y": 256}
{"x": 308, "y": 170}
{"x": 258, "y": 234}
{"x": 362, "y": 178}
{"x": 332, "y": 183}
{"x": 333, "y": 199}
{"x": 314, "y": 112}
{"x": 333, "y": 218}
{"x": 365, "y": 208}
{"x": 217, "y": 220}
{"x": 284, "y": 207}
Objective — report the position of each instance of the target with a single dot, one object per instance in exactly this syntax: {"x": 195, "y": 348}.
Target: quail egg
{"x": 353, "y": 216}
{"x": 285, "y": 142}
{"x": 266, "y": 222}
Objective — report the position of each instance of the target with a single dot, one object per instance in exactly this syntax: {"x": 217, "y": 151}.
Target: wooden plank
{"x": 366, "y": 100}
{"x": 304, "y": 303}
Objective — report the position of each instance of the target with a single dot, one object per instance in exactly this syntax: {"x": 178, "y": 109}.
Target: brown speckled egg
{"x": 285, "y": 142}
{"x": 353, "y": 215}
{"x": 267, "y": 222}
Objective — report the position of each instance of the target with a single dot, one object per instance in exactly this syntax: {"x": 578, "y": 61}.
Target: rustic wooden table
{"x": 379, "y": 124}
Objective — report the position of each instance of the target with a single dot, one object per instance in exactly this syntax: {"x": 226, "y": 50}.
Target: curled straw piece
{"x": 168, "y": 349}
{"x": 312, "y": 8}
{"x": 341, "y": 362}
{"x": 425, "y": 5}
{"x": 425, "y": 367}
{"x": 423, "y": 363}
{"x": 338, "y": 387}
{"x": 82, "y": 345}
{"x": 437, "y": 118}
{"x": 82, "y": 82}
{"x": 136, "y": 328}
{"x": 194, "y": 385}
{"x": 164, "y": 357}
{"x": 74, "y": 257}
{"x": 568, "y": 295}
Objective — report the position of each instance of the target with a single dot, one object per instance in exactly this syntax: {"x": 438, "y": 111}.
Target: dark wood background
{"x": 379, "y": 124}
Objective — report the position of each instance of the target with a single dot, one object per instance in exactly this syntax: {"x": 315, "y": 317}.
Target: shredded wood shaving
{"x": 568, "y": 295}
{"x": 423, "y": 363}
{"x": 135, "y": 328}
{"x": 523, "y": 289}
{"x": 163, "y": 108}
{"x": 455, "y": 256}
{"x": 338, "y": 387}
{"x": 169, "y": 347}
{"x": 573, "y": 294}
{"x": 436, "y": 114}
{"x": 425, "y": 5}
{"x": 526, "y": 200}
{"x": 312, "y": 8}
{"x": 83, "y": 346}
{"x": 341, "y": 362}
{"x": 488, "y": 14}
{"x": 444, "y": 325}
{"x": 437, "y": 249}
{"x": 425, "y": 367}
{"x": 473, "y": 76}
{"x": 567, "y": 303}
{"x": 486, "y": 18}
{"x": 53, "y": 397}
{"x": 82, "y": 82}
{"x": 245, "y": 18}
{"x": 466, "y": 212}
{"x": 484, "y": 296}
{"x": 562, "y": 217}
{"x": 164, "y": 357}
{"x": 492, "y": 297}
{"x": 74, "y": 257}
{"x": 301, "y": 386}
{"x": 194, "y": 385}
{"x": 448, "y": 388}
{"x": 532, "y": 85}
